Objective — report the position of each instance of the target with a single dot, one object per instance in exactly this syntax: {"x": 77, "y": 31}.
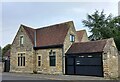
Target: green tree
{"x": 0, "y": 52}
{"x": 102, "y": 26}
{"x": 5, "y": 49}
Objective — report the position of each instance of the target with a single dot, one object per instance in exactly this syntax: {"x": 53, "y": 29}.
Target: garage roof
{"x": 87, "y": 47}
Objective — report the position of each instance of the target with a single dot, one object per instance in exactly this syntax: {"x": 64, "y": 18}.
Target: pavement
{"x": 19, "y": 76}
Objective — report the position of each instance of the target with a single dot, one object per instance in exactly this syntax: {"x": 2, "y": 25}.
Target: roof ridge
{"x": 94, "y": 41}
{"x": 27, "y": 26}
{"x": 44, "y": 27}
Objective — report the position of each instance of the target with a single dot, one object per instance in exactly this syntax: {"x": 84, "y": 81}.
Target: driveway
{"x": 18, "y": 76}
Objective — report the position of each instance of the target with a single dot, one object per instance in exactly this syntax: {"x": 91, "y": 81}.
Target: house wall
{"x": 110, "y": 60}
{"x": 45, "y": 64}
{"x": 27, "y": 48}
{"x": 67, "y": 42}
{"x": 85, "y": 37}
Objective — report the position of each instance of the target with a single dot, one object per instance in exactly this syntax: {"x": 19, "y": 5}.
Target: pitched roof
{"x": 80, "y": 34}
{"x": 87, "y": 47}
{"x": 50, "y": 35}
{"x": 30, "y": 33}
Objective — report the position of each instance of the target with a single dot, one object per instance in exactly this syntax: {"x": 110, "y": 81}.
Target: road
{"x": 18, "y": 76}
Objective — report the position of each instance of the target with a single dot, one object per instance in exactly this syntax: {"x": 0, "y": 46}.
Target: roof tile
{"x": 87, "y": 47}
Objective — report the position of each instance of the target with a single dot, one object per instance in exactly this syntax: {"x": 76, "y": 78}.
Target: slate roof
{"x": 87, "y": 47}
{"x": 50, "y": 35}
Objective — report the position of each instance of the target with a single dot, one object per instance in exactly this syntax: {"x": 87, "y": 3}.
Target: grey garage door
{"x": 84, "y": 65}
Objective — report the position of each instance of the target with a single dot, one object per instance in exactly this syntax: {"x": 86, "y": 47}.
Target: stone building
{"x": 60, "y": 49}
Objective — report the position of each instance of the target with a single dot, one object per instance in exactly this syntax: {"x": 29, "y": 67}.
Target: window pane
{"x": 52, "y": 61}
{"x": 23, "y": 61}
{"x": 18, "y": 61}
{"x": 72, "y": 38}
{"x": 39, "y": 57}
{"x": 21, "y": 39}
{"x": 39, "y": 63}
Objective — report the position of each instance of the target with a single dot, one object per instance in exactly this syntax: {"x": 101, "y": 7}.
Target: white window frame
{"x": 21, "y": 40}
{"x": 72, "y": 38}
{"x": 39, "y": 60}
{"x": 23, "y": 63}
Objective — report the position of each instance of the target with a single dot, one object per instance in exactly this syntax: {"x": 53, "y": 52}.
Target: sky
{"x": 39, "y": 14}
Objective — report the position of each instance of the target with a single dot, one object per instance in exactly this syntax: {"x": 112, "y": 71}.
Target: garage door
{"x": 84, "y": 65}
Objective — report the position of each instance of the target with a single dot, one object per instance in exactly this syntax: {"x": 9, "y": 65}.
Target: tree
{"x": 0, "y": 52}
{"x": 5, "y": 49}
{"x": 102, "y": 27}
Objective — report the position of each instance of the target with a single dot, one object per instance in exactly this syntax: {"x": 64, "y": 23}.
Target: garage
{"x": 85, "y": 58}
{"x": 84, "y": 65}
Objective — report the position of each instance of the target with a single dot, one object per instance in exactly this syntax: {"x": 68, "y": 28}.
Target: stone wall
{"x": 67, "y": 42}
{"x": 45, "y": 62}
{"x": 27, "y": 48}
{"x": 110, "y": 60}
{"x": 1, "y": 67}
{"x": 84, "y": 37}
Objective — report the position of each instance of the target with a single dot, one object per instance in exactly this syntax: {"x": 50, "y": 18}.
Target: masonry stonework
{"x": 84, "y": 37}
{"x": 45, "y": 62}
{"x": 109, "y": 55}
{"x": 27, "y": 48}
{"x": 67, "y": 42}
{"x": 110, "y": 60}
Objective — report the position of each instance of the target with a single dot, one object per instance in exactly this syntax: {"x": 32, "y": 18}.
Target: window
{"x": 21, "y": 59}
{"x": 21, "y": 40}
{"x": 52, "y": 58}
{"x": 39, "y": 60}
{"x": 72, "y": 38}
